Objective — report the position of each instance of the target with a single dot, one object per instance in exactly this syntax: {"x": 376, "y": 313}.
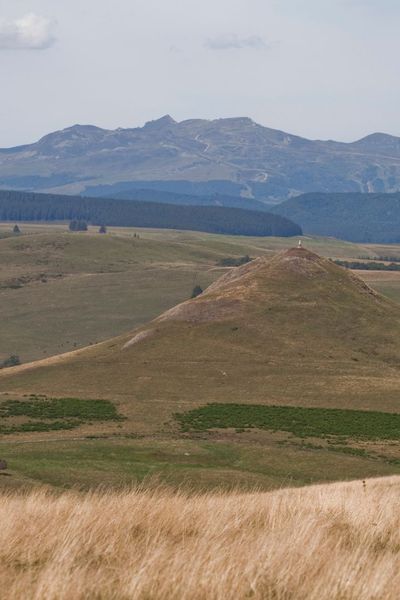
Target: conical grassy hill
{"x": 292, "y": 330}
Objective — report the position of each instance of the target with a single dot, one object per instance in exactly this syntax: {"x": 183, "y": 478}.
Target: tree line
{"x": 29, "y": 206}
{"x": 365, "y": 218}
{"x": 368, "y": 266}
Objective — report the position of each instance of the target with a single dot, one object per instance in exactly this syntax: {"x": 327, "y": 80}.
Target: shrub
{"x": 77, "y": 225}
{"x": 197, "y": 290}
{"x": 234, "y": 262}
{"x": 11, "y": 361}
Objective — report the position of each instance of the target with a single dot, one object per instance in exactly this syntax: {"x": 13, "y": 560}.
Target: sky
{"x": 322, "y": 69}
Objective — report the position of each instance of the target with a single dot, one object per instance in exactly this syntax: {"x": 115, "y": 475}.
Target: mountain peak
{"x": 377, "y": 136}
{"x": 73, "y": 133}
{"x": 299, "y": 252}
{"x": 165, "y": 121}
{"x": 378, "y": 142}
{"x": 236, "y": 122}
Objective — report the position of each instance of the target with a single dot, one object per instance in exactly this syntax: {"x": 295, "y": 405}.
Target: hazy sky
{"x": 318, "y": 68}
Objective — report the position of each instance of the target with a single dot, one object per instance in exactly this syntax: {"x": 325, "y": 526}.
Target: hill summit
{"x": 291, "y": 329}
{"x": 304, "y": 282}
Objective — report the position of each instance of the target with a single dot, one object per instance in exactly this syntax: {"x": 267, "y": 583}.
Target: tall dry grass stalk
{"x": 318, "y": 543}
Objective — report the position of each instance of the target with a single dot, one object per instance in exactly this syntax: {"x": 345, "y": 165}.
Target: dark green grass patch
{"x": 54, "y": 413}
{"x": 55, "y": 408}
{"x": 368, "y": 266}
{"x": 233, "y": 262}
{"x": 302, "y": 422}
{"x": 33, "y": 426}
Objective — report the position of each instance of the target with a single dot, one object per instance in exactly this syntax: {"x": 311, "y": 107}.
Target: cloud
{"x": 234, "y": 41}
{"x": 30, "y": 32}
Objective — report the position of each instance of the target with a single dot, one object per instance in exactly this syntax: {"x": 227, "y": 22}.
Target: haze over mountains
{"x": 233, "y": 156}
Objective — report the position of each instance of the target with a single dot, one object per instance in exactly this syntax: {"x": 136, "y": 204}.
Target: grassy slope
{"x": 169, "y": 261}
{"x": 95, "y": 287}
{"x": 106, "y": 285}
{"x": 293, "y": 337}
{"x": 308, "y": 336}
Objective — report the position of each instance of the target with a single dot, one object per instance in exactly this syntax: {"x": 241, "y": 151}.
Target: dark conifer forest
{"x": 28, "y": 206}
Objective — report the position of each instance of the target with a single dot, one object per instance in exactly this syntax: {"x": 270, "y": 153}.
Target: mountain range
{"x": 234, "y": 157}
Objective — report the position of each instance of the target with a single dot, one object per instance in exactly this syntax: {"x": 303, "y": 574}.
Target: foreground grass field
{"x": 331, "y": 542}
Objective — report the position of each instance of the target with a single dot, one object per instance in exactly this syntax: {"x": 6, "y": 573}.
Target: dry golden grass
{"x": 337, "y": 541}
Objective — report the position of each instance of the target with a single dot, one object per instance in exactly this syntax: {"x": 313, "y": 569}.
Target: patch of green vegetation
{"x": 11, "y": 361}
{"x": 333, "y": 448}
{"x": 301, "y": 422}
{"x": 182, "y": 463}
{"x": 49, "y": 411}
{"x": 37, "y": 426}
{"x": 389, "y": 258}
{"x": 234, "y": 262}
{"x": 197, "y": 290}
{"x": 55, "y": 408}
{"x": 368, "y": 266}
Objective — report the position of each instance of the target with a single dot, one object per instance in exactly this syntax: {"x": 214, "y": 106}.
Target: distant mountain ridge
{"x": 233, "y": 156}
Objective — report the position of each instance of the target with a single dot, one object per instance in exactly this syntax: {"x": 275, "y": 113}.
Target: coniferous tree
{"x": 197, "y": 290}
{"x": 78, "y": 225}
{"x": 79, "y": 211}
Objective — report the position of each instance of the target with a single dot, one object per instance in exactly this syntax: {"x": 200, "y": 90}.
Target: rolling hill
{"x": 106, "y": 285}
{"x": 235, "y": 157}
{"x": 292, "y": 330}
{"x": 284, "y": 369}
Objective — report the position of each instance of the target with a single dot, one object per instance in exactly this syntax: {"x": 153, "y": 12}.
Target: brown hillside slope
{"x": 294, "y": 329}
